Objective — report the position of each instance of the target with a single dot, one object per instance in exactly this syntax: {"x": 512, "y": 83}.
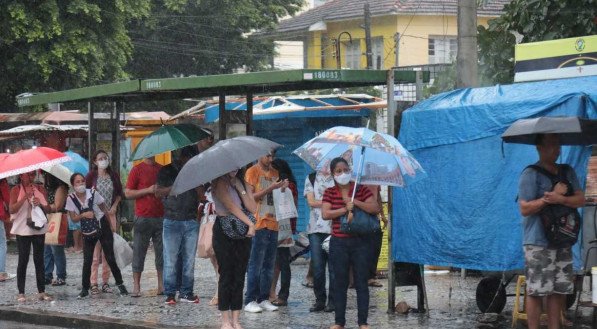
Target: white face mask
{"x": 342, "y": 179}
{"x": 80, "y": 188}
{"x": 102, "y": 164}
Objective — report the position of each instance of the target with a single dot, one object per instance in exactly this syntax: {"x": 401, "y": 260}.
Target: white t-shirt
{"x": 97, "y": 200}
{"x": 316, "y": 222}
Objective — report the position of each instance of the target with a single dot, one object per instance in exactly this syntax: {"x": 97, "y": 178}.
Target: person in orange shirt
{"x": 262, "y": 180}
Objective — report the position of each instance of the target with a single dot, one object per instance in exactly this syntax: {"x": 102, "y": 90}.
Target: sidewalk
{"x": 455, "y": 309}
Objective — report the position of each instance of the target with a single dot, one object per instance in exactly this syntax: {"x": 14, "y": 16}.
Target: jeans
{"x": 2, "y": 248}
{"x": 24, "y": 243}
{"x": 106, "y": 239}
{"x": 180, "y": 238}
{"x": 375, "y": 241}
{"x": 283, "y": 261}
{"x": 261, "y": 265}
{"x": 344, "y": 253}
{"x": 54, "y": 255}
{"x": 319, "y": 260}
{"x": 232, "y": 256}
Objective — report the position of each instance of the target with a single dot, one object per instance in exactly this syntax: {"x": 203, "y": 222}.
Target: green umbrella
{"x": 168, "y": 138}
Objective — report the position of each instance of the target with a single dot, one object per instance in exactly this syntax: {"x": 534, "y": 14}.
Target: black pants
{"x": 233, "y": 257}
{"x": 106, "y": 240}
{"x": 376, "y": 240}
{"x": 283, "y": 261}
{"x": 24, "y": 243}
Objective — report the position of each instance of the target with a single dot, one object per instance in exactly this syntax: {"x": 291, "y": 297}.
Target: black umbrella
{"x": 572, "y": 130}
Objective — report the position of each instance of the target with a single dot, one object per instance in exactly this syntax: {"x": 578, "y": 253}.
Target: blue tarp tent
{"x": 464, "y": 214}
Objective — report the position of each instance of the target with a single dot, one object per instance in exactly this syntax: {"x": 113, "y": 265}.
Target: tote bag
{"x": 284, "y": 204}
{"x": 57, "y": 229}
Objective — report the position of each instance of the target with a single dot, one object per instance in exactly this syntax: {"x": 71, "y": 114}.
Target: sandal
{"x": 21, "y": 298}
{"x": 58, "y": 282}
{"x": 106, "y": 288}
{"x": 337, "y": 326}
{"x": 44, "y": 297}
{"x": 374, "y": 283}
{"x": 280, "y": 302}
{"x": 95, "y": 290}
{"x": 214, "y": 301}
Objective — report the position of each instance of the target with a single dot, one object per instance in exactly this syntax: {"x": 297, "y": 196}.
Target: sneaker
{"x": 189, "y": 299}
{"x": 268, "y": 306}
{"x": 317, "y": 307}
{"x": 171, "y": 300}
{"x": 122, "y": 289}
{"x": 84, "y": 293}
{"x": 253, "y": 307}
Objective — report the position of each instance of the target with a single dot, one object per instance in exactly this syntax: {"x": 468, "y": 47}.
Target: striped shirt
{"x": 333, "y": 196}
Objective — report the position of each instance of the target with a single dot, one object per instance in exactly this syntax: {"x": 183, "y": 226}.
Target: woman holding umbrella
{"x": 231, "y": 198}
{"x": 348, "y": 250}
{"x": 23, "y": 197}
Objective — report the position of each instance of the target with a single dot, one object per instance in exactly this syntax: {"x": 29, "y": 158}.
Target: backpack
{"x": 90, "y": 227}
{"x": 561, "y": 224}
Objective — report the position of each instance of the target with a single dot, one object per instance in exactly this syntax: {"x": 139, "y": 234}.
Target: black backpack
{"x": 90, "y": 227}
{"x": 561, "y": 224}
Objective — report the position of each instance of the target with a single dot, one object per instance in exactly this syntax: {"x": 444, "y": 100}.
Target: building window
{"x": 352, "y": 54}
{"x": 442, "y": 49}
{"x": 378, "y": 53}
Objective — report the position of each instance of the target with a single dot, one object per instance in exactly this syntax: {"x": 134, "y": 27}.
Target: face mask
{"x": 342, "y": 179}
{"x": 102, "y": 164}
{"x": 80, "y": 188}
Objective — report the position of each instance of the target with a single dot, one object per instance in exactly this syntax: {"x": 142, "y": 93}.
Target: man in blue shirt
{"x": 548, "y": 270}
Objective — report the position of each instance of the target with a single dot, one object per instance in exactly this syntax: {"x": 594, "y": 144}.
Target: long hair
{"x": 94, "y": 166}
{"x": 283, "y": 169}
{"x": 52, "y": 183}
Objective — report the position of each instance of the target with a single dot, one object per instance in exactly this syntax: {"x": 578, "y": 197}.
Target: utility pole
{"x": 466, "y": 59}
{"x": 368, "y": 51}
{"x": 397, "y": 49}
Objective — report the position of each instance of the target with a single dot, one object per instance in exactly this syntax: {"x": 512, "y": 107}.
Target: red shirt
{"x": 142, "y": 176}
{"x": 4, "y": 200}
{"x": 333, "y": 196}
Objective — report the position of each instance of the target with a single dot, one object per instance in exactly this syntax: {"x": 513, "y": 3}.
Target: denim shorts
{"x": 72, "y": 226}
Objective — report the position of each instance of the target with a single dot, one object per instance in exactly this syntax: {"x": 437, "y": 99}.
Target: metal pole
{"x": 92, "y": 133}
{"x": 419, "y": 85}
{"x": 249, "y": 124}
{"x": 391, "y": 112}
{"x": 118, "y": 109}
{"x": 397, "y": 51}
{"x": 368, "y": 51}
{"x": 223, "y": 119}
{"x": 338, "y": 60}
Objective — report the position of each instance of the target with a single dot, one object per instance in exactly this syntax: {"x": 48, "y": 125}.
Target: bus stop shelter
{"x": 117, "y": 95}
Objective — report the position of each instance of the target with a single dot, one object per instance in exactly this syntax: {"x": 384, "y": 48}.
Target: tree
{"x": 533, "y": 20}
{"x": 199, "y": 37}
{"x": 50, "y": 45}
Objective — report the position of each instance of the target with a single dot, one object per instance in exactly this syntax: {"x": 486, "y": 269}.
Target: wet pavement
{"x": 451, "y": 301}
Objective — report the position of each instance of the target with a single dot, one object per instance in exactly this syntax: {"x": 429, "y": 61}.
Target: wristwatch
{"x": 243, "y": 192}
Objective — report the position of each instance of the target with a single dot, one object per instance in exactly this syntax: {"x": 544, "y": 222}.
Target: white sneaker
{"x": 266, "y": 305}
{"x": 253, "y": 307}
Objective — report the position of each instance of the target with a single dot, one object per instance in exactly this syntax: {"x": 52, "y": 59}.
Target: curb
{"x": 68, "y": 320}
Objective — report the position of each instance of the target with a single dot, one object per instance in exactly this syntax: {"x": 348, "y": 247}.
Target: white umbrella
{"x": 225, "y": 156}
{"x": 59, "y": 171}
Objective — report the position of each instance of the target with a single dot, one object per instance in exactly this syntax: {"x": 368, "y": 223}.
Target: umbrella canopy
{"x": 59, "y": 171}
{"x": 30, "y": 160}
{"x": 77, "y": 163}
{"x": 224, "y": 157}
{"x": 168, "y": 138}
{"x": 572, "y": 130}
{"x": 375, "y": 158}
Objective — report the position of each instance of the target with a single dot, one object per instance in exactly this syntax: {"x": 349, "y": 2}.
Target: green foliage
{"x": 534, "y": 20}
{"x": 444, "y": 81}
{"x": 51, "y": 45}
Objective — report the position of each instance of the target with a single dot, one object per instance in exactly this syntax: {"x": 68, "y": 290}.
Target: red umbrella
{"x": 29, "y": 160}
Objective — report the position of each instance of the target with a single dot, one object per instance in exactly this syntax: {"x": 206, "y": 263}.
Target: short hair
{"x": 539, "y": 138}
{"x": 189, "y": 151}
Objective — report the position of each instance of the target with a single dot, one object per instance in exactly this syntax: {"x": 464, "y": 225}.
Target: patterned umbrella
{"x": 379, "y": 159}
{"x": 29, "y": 160}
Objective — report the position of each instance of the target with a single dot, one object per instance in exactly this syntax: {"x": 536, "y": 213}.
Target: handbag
{"x": 205, "y": 247}
{"x": 233, "y": 227}
{"x": 38, "y": 218}
{"x": 284, "y": 204}
{"x": 57, "y": 229}
{"x": 362, "y": 223}
{"x": 122, "y": 251}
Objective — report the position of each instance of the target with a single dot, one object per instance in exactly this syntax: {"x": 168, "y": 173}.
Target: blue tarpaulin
{"x": 465, "y": 214}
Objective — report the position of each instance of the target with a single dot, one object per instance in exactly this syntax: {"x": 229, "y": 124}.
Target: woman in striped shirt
{"x": 348, "y": 250}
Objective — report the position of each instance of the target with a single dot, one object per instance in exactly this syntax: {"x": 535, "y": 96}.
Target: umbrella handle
{"x": 360, "y": 168}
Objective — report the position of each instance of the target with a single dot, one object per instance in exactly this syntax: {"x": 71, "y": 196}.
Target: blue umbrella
{"x": 379, "y": 159}
{"x": 77, "y": 163}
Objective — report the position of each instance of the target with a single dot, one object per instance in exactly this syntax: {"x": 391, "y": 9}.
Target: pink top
{"x": 220, "y": 208}
{"x": 19, "y": 220}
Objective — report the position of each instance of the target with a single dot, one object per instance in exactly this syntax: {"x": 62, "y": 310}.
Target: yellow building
{"x": 425, "y": 29}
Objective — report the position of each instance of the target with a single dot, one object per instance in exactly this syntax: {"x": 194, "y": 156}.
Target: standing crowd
{"x": 171, "y": 224}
